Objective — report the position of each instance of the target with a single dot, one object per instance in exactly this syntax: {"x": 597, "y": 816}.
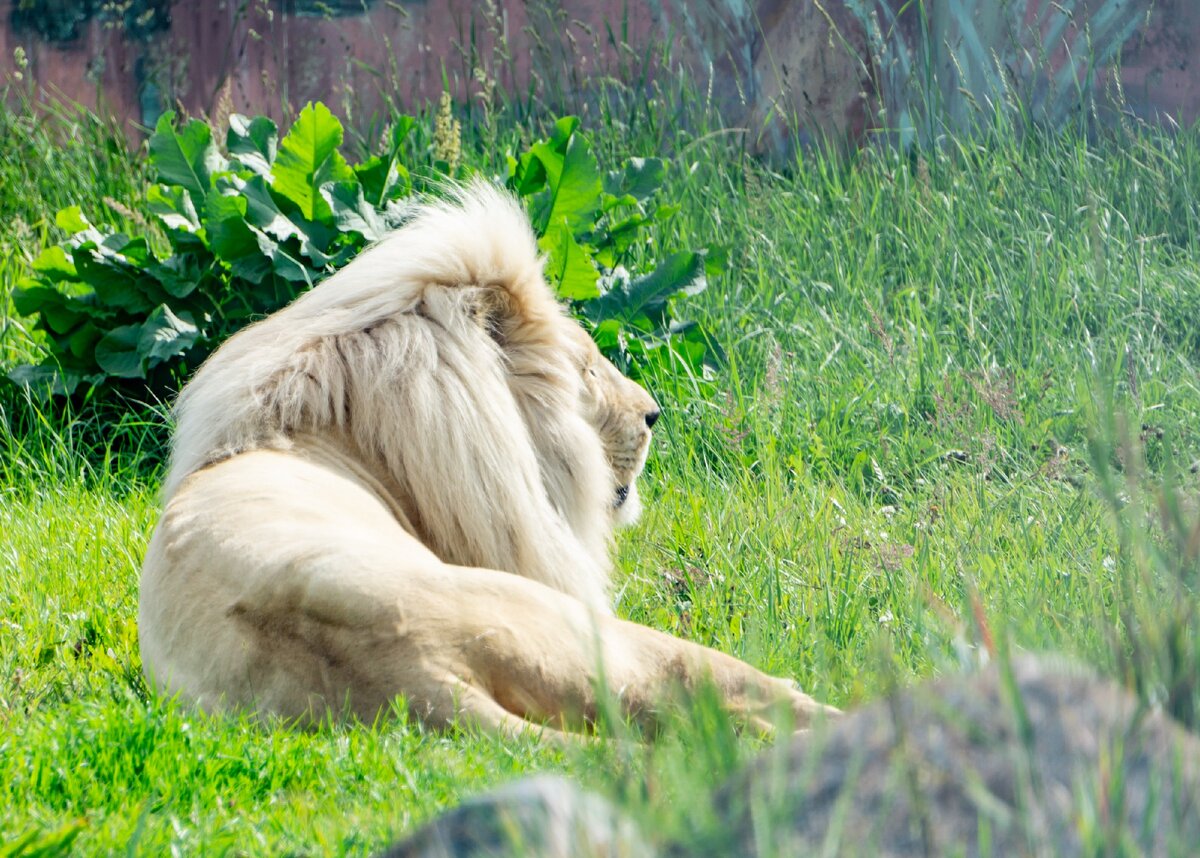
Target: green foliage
{"x": 590, "y": 226}
{"x": 243, "y": 229}
{"x": 239, "y": 230}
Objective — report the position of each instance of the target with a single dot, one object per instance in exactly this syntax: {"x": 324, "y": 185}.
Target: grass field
{"x": 955, "y": 382}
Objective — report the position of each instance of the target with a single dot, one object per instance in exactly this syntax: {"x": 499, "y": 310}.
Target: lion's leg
{"x": 642, "y": 665}
{"x": 545, "y": 656}
{"x": 509, "y": 655}
{"x": 463, "y": 704}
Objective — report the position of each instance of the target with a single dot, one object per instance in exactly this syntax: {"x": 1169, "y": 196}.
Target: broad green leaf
{"x": 540, "y": 170}
{"x": 307, "y": 159}
{"x": 133, "y": 252}
{"x": 47, "y": 378}
{"x": 681, "y": 274}
{"x": 228, "y": 233}
{"x": 577, "y": 193}
{"x": 283, "y": 263}
{"x": 174, "y": 208}
{"x": 58, "y": 311}
{"x": 165, "y": 335}
{"x": 665, "y": 213}
{"x": 374, "y": 174}
{"x": 569, "y": 267}
{"x": 253, "y": 267}
{"x": 526, "y": 175}
{"x": 71, "y": 219}
{"x": 608, "y": 202}
{"x": 191, "y": 244}
{"x": 607, "y": 335}
{"x": 564, "y": 130}
{"x": 263, "y": 211}
{"x": 186, "y": 157}
{"x": 54, "y": 264}
{"x": 116, "y": 268}
{"x": 128, "y": 351}
{"x": 715, "y": 260}
{"x": 351, "y": 212}
{"x": 622, "y": 234}
{"x": 402, "y": 126}
{"x": 115, "y": 283}
{"x": 572, "y": 176}
{"x": 28, "y": 299}
{"x": 117, "y": 352}
{"x": 82, "y": 341}
{"x": 698, "y": 345}
{"x": 383, "y": 179}
{"x": 180, "y": 274}
{"x": 234, "y": 240}
{"x": 643, "y": 301}
{"x": 252, "y": 142}
{"x": 638, "y": 178}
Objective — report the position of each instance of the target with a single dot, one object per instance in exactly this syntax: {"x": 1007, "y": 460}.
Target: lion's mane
{"x": 441, "y": 365}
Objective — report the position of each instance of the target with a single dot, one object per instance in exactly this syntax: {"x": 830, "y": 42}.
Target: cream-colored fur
{"x": 404, "y": 483}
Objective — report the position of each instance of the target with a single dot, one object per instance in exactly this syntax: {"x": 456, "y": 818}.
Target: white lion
{"x": 404, "y": 484}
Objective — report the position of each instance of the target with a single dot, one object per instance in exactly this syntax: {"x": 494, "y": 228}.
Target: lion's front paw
{"x": 805, "y": 711}
{"x": 779, "y": 704}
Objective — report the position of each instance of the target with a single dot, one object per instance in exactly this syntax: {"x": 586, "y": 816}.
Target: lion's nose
{"x": 652, "y": 418}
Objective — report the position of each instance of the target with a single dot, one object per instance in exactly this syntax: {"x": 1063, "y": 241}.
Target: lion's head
{"x": 439, "y": 364}
{"x": 622, "y": 413}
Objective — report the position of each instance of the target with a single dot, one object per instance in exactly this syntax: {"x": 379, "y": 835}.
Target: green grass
{"x": 54, "y": 156}
{"x": 913, "y": 448}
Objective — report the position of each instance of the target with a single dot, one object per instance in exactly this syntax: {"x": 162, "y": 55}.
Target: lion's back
{"x": 247, "y": 550}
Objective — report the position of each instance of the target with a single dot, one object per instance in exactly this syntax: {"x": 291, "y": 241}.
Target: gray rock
{"x": 538, "y": 817}
{"x": 1043, "y": 760}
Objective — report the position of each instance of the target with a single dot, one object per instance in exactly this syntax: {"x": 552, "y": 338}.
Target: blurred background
{"x": 784, "y": 71}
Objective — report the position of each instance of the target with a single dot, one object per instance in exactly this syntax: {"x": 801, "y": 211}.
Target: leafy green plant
{"x": 245, "y": 230}
{"x": 236, "y": 231}
{"x": 591, "y": 227}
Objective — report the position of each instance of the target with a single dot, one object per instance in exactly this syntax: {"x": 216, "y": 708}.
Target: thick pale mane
{"x": 440, "y": 363}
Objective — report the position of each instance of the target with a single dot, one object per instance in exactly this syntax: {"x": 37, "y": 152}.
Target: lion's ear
{"x": 492, "y": 309}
